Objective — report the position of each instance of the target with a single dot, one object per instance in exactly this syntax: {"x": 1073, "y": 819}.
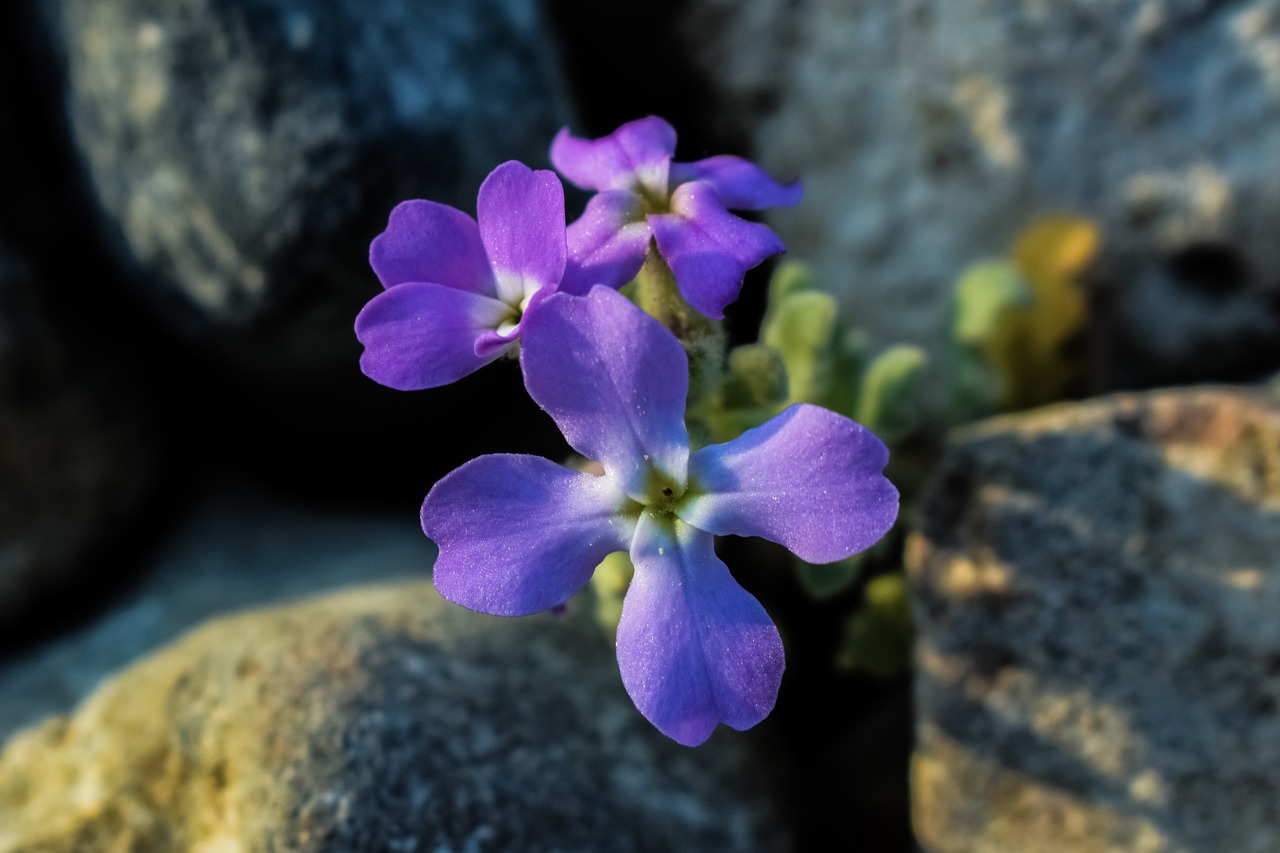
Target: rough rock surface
{"x": 1096, "y": 593}
{"x": 248, "y": 151}
{"x": 930, "y": 132}
{"x": 235, "y": 549}
{"x": 380, "y": 719}
{"x": 78, "y": 453}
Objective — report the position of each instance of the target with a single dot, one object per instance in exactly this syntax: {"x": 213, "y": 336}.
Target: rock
{"x": 234, "y": 549}
{"x": 45, "y": 208}
{"x": 246, "y": 152}
{"x": 1096, "y": 587}
{"x": 380, "y": 719}
{"x": 930, "y": 133}
{"x": 80, "y": 454}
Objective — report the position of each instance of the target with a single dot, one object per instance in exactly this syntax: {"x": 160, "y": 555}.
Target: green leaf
{"x": 974, "y": 386}
{"x": 985, "y": 299}
{"x": 757, "y": 378}
{"x": 829, "y": 580}
{"x": 790, "y": 277}
{"x": 1015, "y": 320}
{"x": 983, "y": 294}
{"x": 802, "y": 328}
{"x": 823, "y": 359}
{"x": 889, "y": 402}
{"x": 877, "y": 638}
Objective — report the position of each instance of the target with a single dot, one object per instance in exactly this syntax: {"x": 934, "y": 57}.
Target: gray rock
{"x": 929, "y": 133}
{"x": 236, "y": 549}
{"x": 247, "y": 151}
{"x": 79, "y": 455}
{"x": 379, "y": 719}
{"x": 1096, "y": 587}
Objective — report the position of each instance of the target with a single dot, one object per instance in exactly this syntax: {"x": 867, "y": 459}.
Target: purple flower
{"x": 640, "y": 193}
{"x": 519, "y": 534}
{"x": 457, "y": 292}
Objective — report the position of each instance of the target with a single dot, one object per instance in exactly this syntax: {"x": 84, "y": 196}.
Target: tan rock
{"x": 381, "y": 719}
{"x": 1096, "y": 589}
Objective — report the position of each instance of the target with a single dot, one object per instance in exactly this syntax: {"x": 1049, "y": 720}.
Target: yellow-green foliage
{"x": 803, "y": 324}
{"x": 888, "y": 401}
{"x": 1015, "y": 318}
{"x": 825, "y": 364}
{"x": 609, "y": 583}
{"x": 877, "y": 638}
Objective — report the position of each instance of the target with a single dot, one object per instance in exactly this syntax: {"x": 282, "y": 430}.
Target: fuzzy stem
{"x": 656, "y": 293}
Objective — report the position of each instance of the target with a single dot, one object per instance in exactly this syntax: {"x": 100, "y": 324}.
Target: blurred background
{"x": 1070, "y": 642}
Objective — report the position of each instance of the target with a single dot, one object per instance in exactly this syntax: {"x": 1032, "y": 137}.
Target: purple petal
{"x": 808, "y": 479}
{"x": 708, "y": 248}
{"x": 424, "y": 335}
{"x": 639, "y": 152}
{"x": 695, "y": 649}
{"x": 520, "y": 534}
{"x": 429, "y": 242}
{"x": 607, "y": 244}
{"x": 614, "y": 380}
{"x": 496, "y": 341}
{"x": 741, "y": 184}
{"x": 521, "y": 213}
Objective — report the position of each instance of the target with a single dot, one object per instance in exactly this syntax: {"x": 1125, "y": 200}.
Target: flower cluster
{"x": 520, "y": 534}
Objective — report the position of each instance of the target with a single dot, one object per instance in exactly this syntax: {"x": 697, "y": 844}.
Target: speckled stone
{"x": 929, "y": 133}
{"x": 1096, "y": 588}
{"x": 246, "y": 152}
{"x": 379, "y": 719}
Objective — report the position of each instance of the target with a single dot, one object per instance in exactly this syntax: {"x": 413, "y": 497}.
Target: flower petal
{"x": 741, "y": 184}
{"x": 808, "y": 479}
{"x": 638, "y": 152}
{"x": 521, "y": 214}
{"x": 614, "y": 380}
{"x": 496, "y": 341}
{"x": 424, "y": 335}
{"x": 708, "y": 248}
{"x": 430, "y": 242}
{"x": 607, "y": 244}
{"x": 695, "y": 649}
{"x": 520, "y": 534}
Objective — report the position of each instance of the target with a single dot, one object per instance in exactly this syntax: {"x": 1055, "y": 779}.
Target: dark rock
{"x": 380, "y": 719}
{"x": 1096, "y": 587}
{"x": 245, "y": 153}
{"x": 45, "y": 209}
{"x": 248, "y": 151}
{"x": 80, "y": 454}
{"x": 929, "y": 133}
